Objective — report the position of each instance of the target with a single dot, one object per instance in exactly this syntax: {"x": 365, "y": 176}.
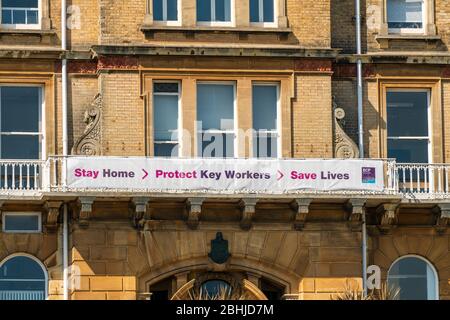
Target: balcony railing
{"x": 411, "y": 181}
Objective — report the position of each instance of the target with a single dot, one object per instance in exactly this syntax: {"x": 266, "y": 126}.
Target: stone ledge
{"x": 163, "y": 28}
{"x": 288, "y": 51}
{"x": 384, "y": 40}
{"x": 26, "y": 32}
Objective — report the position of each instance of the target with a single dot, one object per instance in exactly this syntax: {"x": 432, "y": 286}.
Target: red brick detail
{"x": 349, "y": 70}
{"x": 313, "y": 65}
{"x": 446, "y": 72}
{"x": 118, "y": 63}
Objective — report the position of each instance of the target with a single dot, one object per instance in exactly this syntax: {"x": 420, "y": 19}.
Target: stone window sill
{"x": 38, "y": 32}
{"x": 197, "y": 29}
{"x": 384, "y": 40}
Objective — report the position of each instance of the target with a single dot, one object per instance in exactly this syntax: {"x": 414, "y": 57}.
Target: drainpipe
{"x": 65, "y": 147}
{"x": 361, "y": 137}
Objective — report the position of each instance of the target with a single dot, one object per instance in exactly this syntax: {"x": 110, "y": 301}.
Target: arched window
{"x": 22, "y": 277}
{"x": 415, "y": 277}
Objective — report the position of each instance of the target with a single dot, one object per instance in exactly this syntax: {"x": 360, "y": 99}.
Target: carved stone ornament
{"x": 89, "y": 144}
{"x": 344, "y": 146}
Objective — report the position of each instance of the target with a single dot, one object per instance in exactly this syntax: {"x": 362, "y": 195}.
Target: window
{"x": 415, "y": 277}
{"x": 215, "y": 119}
{"x": 166, "y": 11}
{"x": 21, "y": 132}
{"x": 20, "y": 14}
{"x": 215, "y": 12}
{"x": 406, "y": 15}
{"x": 22, "y": 222}
{"x": 22, "y": 277}
{"x": 262, "y": 11}
{"x": 408, "y": 125}
{"x": 213, "y": 289}
{"x": 265, "y": 120}
{"x": 166, "y": 101}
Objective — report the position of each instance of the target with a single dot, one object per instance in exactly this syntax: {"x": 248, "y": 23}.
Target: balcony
{"x": 29, "y": 178}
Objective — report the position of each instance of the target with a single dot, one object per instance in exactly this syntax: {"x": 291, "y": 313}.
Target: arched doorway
{"x": 219, "y": 286}
{"x": 22, "y": 277}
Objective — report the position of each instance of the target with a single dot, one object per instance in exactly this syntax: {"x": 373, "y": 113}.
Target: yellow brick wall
{"x": 312, "y": 115}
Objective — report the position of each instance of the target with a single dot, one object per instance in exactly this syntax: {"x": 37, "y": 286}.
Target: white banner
{"x": 224, "y": 175}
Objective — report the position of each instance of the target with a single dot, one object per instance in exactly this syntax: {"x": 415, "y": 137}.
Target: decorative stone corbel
{"x": 442, "y": 212}
{"x": 356, "y": 208}
{"x": 301, "y": 206}
{"x": 388, "y": 216}
{"x": 52, "y": 208}
{"x": 248, "y": 207}
{"x": 344, "y": 146}
{"x": 194, "y": 208}
{"x": 85, "y": 210}
{"x": 140, "y": 211}
{"x": 89, "y": 144}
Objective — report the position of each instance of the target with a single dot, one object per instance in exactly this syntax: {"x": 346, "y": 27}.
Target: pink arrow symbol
{"x": 281, "y": 175}
{"x": 145, "y": 174}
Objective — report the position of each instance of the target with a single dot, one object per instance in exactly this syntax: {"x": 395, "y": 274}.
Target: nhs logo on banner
{"x": 369, "y": 175}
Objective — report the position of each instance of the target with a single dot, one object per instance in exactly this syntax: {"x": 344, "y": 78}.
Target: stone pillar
{"x": 189, "y": 13}
{"x": 244, "y": 118}
{"x": 242, "y": 13}
{"x": 148, "y": 20}
{"x": 282, "y": 18}
{"x": 189, "y": 116}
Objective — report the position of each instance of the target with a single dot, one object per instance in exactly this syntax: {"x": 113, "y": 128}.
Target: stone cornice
{"x": 281, "y": 51}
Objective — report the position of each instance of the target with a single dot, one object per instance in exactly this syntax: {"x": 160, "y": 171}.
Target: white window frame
{"x": 214, "y": 23}
{"x": 42, "y": 126}
{"x": 165, "y": 22}
{"x": 410, "y": 30}
{"x": 23, "y": 213}
{"x": 23, "y": 254}
{"x": 279, "y": 122}
{"x": 180, "y": 120}
{"x": 21, "y": 26}
{"x": 436, "y": 275}
{"x": 261, "y": 22}
{"x": 429, "y": 120}
{"x": 235, "y": 120}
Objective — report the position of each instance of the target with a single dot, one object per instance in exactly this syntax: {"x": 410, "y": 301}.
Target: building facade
{"x": 150, "y": 79}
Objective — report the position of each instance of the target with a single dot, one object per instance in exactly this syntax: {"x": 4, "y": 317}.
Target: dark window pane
{"x": 166, "y": 150}
{"x": 6, "y": 17}
{"x": 20, "y": 3}
{"x": 408, "y": 151}
{"x": 157, "y": 10}
{"x": 165, "y": 117}
{"x": 265, "y": 145}
{"x": 19, "y": 17}
{"x": 268, "y": 11}
{"x": 165, "y": 87}
{"x": 404, "y": 14}
{"x": 265, "y": 99}
{"x": 204, "y": 10}
{"x": 22, "y": 222}
{"x": 215, "y": 106}
{"x": 20, "y": 147}
{"x": 223, "y": 10}
{"x": 407, "y": 113}
{"x": 20, "y": 109}
{"x": 254, "y": 11}
{"x": 32, "y": 17}
{"x": 172, "y": 10}
{"x": 216, "y": 145}
{"x": 215, "y": 288}
{"x": 21, "y": 268}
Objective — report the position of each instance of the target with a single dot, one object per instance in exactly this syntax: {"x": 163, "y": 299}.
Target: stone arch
{"x": 283, "y": 277}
